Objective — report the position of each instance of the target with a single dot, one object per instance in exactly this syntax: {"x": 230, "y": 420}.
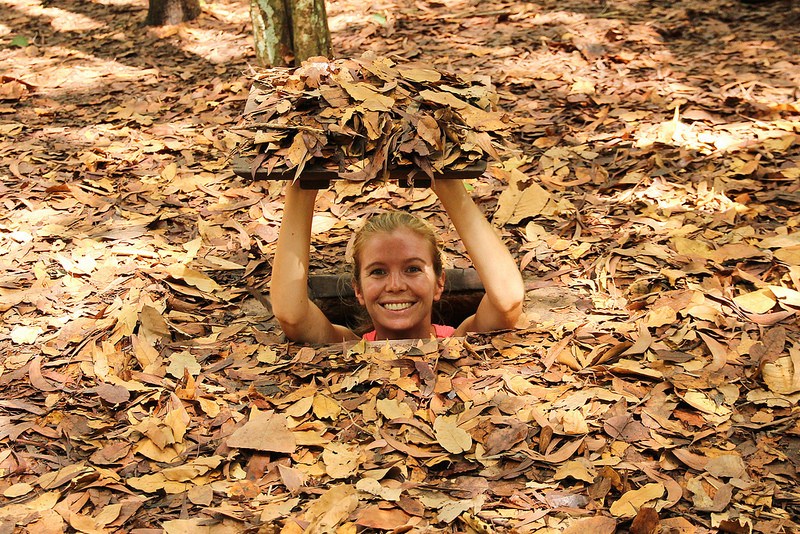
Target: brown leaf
{"x": 428, "y": 129}
{"x": 264, "y": 431}
{"x": 411, "y": 450}
{"x": 293, "y": 479}
{"x": 625, "y": 428}
{"x": 695, "y": 461}
{"x": 37, "y": 380}
{"x": 111, "y": 453}
{"x": 642, "y": 342}
{"x": 113, "y": 394}
{"x": 646, "y": 521}
{"x": 453, "y": 439}
{"x": 505, "y": 437}
{"x": 631, "y": 501}
{"x": 330, "y": 509}
{"x": 153, "y": 322}
{"x": 561, "y": 455}
{"x": 596, "y": 525}
{"x": 382, "y": 519}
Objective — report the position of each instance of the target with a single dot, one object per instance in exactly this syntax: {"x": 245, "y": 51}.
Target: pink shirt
{"x": 441, "y": 330}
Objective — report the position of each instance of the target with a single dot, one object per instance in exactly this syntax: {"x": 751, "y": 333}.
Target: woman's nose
{"x": 396, "y": 281}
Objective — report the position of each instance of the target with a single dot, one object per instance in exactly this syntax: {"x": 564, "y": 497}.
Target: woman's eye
{"x": 414, "y": 269}
{"x": 377, "y": 272}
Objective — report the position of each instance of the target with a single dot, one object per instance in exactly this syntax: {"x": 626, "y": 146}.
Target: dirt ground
{"x": 650, "y": 191}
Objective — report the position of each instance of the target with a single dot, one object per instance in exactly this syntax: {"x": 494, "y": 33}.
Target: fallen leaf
{"x": 760, "y": 301}
{"x": 382, "y": 519}
{"x": 455, "y": 440}
{"x": 325, "y": 407}
{"x": 595, "y": 525}
{"x": 113, "y": 394}
{"x": 330, "y": 509}
{"x": 727, "y": 465}
{"x": 37, "y": 380}
{"x": 17, "y": 490}
{"x": 646, "y": 521}
{"x": 181, "y": 362}
{"x": 341, "y": 460}
{"x": 25, "y": 335}
{"x": 193, "y": 278}
{"x": 630, "y": 502}
{"x": 264, "y": 431}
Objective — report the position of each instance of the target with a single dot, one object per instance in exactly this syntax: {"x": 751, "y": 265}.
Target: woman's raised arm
{"x": 501, "y": 306}
{"x": 300, "y": 319}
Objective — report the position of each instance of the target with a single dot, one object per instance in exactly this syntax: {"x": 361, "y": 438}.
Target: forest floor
{"x": 651, "y": 195}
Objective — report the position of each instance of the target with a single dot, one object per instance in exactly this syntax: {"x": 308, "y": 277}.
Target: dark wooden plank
{"x": 314, "y": 177}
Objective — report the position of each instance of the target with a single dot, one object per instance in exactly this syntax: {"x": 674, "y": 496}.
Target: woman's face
{"x": 398, "y": 284}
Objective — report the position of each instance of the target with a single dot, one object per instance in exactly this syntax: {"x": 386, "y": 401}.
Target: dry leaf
{"x": 17, "y": 490}
{"x": 181, "y": 362}
{"x": 193, "y": 278}
{"x": 454, "y": 439}
{"x": 595, "y": 525}
{"x": 341, "y": 460}
{"x": 278, "y": 510}
{"x": 516, "y": 204}
{"x": 760, "y": 301}
{"x": 264, "y": 431}
{"x": 378, "y": 518}
{"x": 23, "y": 335}
{"x": 113, "y": 394}
{"x": 37, "y": 380}
{"x": 630, "y": 502}
{"x": 646, "y": 522}
{"x": 394, "y": 409}
{"x": 783, "y": 375}
{"x": 330, "y": 509}
{"x": 577, "y": 469}
{"x": 727, "y": 465}
{"x": 325, "y": 407}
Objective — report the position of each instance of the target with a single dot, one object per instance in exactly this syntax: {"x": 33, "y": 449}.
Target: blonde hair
{"x": 388, "y": 222}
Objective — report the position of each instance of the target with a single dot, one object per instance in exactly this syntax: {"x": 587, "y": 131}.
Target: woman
{"x": 398, "y": 272}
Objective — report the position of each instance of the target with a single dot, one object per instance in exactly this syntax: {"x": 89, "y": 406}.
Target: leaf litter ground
{"x": 652, "y": 202}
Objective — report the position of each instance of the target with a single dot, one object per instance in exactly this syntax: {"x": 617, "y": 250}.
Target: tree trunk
{"x": 289, "y": 31}
{"x": 272, "y": 30}
{"x": 310, "y": 30}
{"x": 164, "y": 12}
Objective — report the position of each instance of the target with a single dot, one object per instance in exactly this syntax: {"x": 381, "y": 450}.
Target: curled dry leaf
{"x": 783, "y": 375}
{"x": 37, "y": 380}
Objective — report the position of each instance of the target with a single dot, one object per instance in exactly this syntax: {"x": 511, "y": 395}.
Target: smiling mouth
{"x": 397, "y": 306}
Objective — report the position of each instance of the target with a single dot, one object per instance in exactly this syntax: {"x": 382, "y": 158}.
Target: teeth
{"x": 397, "y": 306}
